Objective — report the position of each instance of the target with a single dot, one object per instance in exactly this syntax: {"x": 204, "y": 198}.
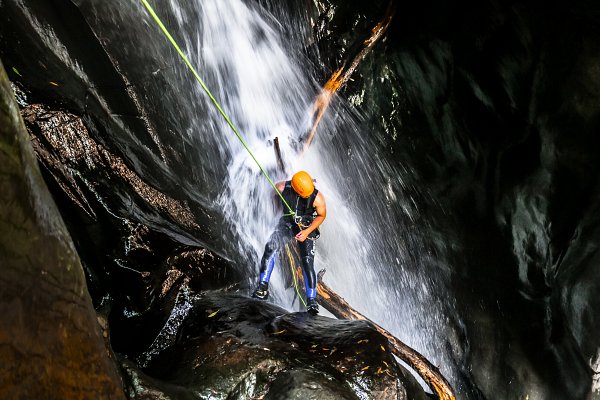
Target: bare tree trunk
{"x": 342, "y": 75}
{"x": 278, "y": 157}
{"x": 340, "y": 308}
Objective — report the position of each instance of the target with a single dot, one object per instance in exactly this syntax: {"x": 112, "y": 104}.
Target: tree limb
{"x": 340, "y": 308}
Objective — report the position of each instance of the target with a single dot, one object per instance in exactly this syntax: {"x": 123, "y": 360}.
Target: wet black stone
{"x": 51, "y": 344}
{"x": 232, "y": 344}
{"x": 302, "y": 384}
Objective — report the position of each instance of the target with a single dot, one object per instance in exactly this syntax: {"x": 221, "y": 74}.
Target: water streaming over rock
{"x": 374, "y": 244}
{"x": 371, "y": 246}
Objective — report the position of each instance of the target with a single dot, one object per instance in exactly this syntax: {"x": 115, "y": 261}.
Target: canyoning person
{"x": 308, "y": 205}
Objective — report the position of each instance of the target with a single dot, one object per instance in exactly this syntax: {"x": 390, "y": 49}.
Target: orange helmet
{"x": 303, "y": 184}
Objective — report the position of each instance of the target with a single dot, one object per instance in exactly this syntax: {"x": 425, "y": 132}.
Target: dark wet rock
{"x": 494, "y": 108}
{"x": 343, "y": 26}
{"x": 305, "y": 384}
{"x": 218, "y": 367}
{"x": 203, "y": 269}
{"x": 50, "y": 342}
{"x": 139, "y": 386}
{"x": 230, "y": 345}
{"x": 69, "y": 152}
{"x": 168, "y": 291}
{"x": 120, "y": 97}
{"x": 137, "y": 282}
{"x": 99, "y": 192}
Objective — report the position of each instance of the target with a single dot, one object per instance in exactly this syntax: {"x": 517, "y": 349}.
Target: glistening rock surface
{"x": 494, "y": 109}
{"x": 51, "y": 345}
{"x": 230, "y": 346}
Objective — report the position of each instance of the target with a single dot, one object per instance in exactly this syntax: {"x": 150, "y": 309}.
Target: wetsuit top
{"x": 304, "y": 208}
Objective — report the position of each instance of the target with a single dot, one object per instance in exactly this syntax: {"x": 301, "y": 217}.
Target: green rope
{"x": 189, "y": 65}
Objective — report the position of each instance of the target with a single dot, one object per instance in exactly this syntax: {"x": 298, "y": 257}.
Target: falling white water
{"x": 373, "y": 258}
{"x": 595, "y": 367}
{"x": 265, "y": 90}
{"x": 168, "y": 333}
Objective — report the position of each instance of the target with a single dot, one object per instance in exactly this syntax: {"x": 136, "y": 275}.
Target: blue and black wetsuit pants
{"x": 286, "y": 231}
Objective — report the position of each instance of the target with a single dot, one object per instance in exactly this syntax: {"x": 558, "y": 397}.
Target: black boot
{"x": 312, "y": 306}
{"x": 262, "y": 291}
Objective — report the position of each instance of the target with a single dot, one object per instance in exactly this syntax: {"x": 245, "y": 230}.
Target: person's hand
{"x": 302, "y": 235}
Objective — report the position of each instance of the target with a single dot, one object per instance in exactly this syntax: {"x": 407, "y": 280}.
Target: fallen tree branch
{"x": 278, "y": 157}
{"x": 343, "y": 74}
{"x": 340, "y": 308}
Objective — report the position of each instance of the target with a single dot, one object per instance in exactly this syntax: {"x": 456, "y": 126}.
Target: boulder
{"x": 231, "y": 346}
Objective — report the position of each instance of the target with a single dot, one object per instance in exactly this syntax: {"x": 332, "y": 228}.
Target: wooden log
{"x": 340, "y": 308}
{"x": 343, "y": 74}
{"x": 278, "y": 157}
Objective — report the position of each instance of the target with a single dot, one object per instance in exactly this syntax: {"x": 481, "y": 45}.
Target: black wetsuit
{"x": 286, "y": 229}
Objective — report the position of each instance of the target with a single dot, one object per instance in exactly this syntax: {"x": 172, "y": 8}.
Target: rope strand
{"x": 210, "y": 95}
{"x": 233, "y": 128}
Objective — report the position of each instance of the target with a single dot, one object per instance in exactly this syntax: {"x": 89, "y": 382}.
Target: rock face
{"x": 230, "y": 346}
{"x": 51, "y": 345}
{"x": 494, "y": 107}
{"x": 86, "y": 80}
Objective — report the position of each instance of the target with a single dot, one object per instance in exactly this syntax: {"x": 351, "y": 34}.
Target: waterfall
{"x": 376, "y": 250}
{"x": 373, "y": 250}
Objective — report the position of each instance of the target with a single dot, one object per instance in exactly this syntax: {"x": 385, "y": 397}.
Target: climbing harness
{"x": 299, "y": 219}
{"x": 208, "y": 92}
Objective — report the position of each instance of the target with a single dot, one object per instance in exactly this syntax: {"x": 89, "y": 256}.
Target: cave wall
{"x": 59, "y": 52}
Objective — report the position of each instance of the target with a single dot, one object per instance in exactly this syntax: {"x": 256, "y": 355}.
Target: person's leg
{"x": 307, "y": 256}
{"x": 268, "y": 260}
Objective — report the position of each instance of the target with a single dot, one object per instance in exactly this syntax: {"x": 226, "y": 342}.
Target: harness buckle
{"x": 298, "y": 221}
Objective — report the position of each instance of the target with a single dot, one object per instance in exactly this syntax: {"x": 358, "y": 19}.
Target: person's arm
{"x": 321, "y": 209}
